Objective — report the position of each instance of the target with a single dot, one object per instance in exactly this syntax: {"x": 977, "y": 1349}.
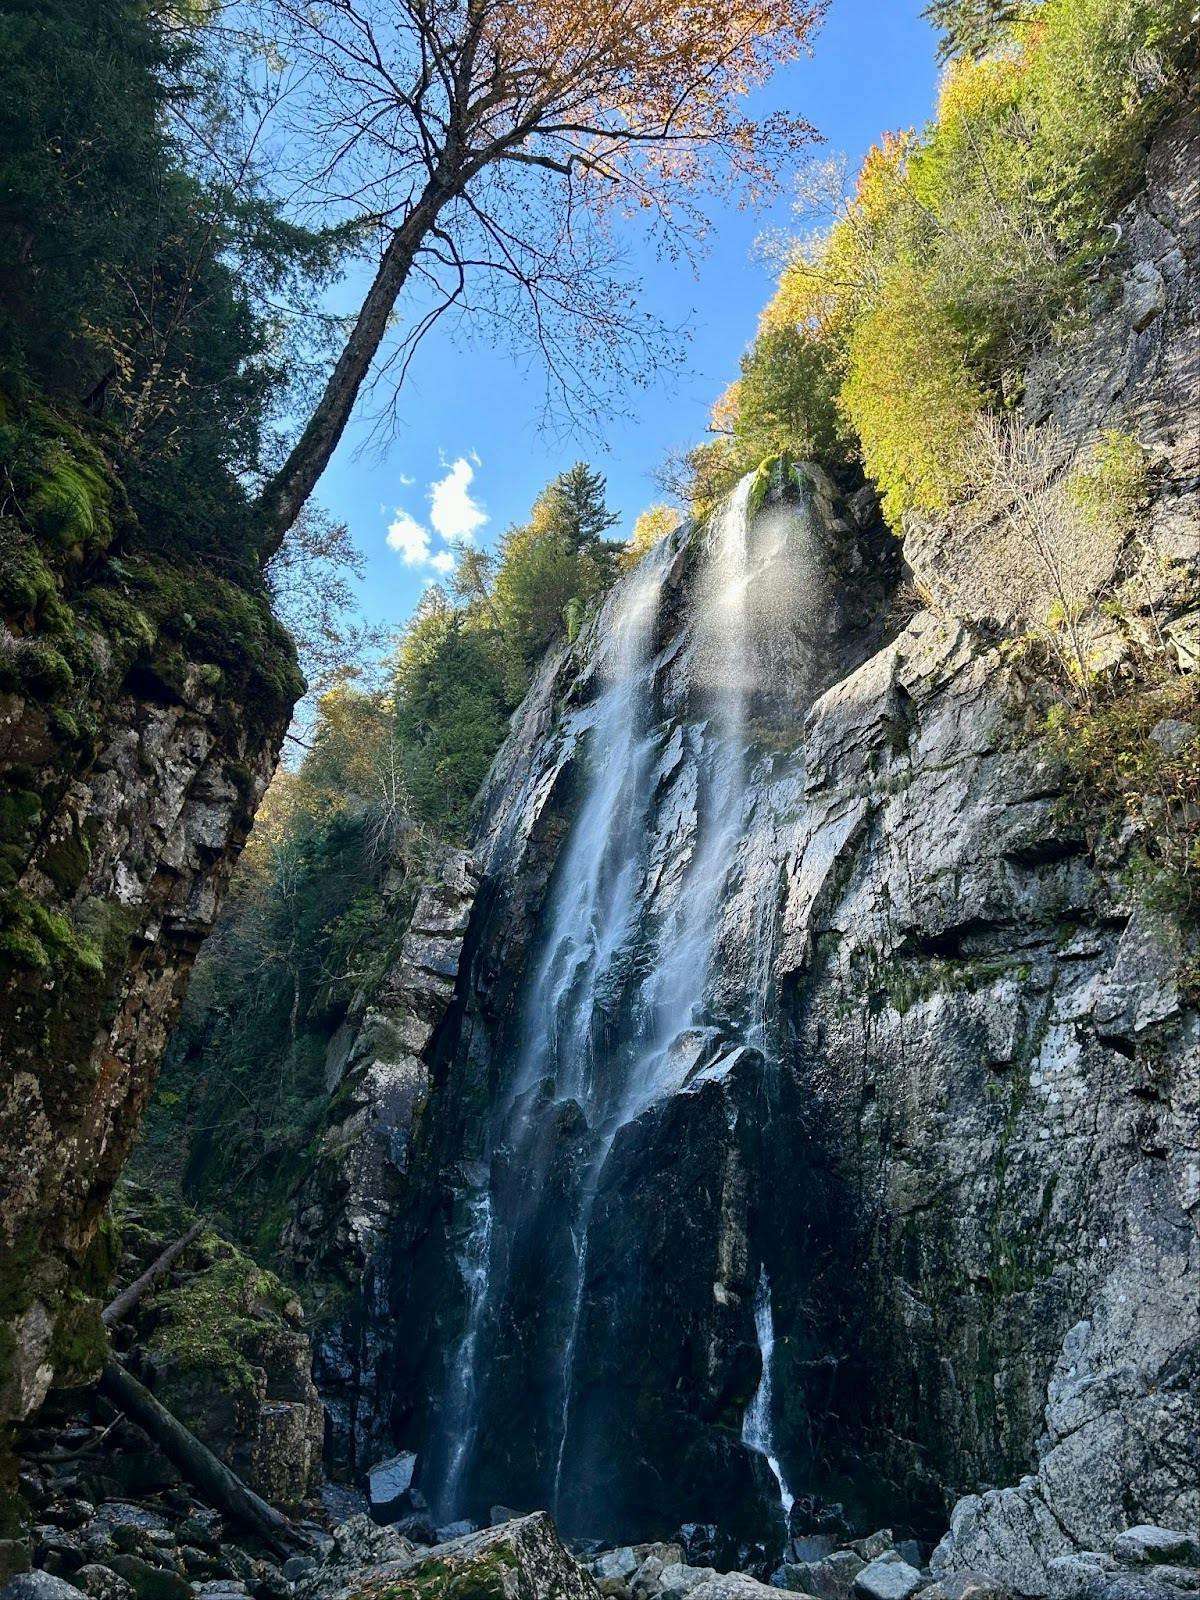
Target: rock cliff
{"x": 142, "y": 704}
{"x": 812, "y": 1135}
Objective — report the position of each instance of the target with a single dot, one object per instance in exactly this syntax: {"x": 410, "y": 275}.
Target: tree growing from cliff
{"x": 493, "y": 144}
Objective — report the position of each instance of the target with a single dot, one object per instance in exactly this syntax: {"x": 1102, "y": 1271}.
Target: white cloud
{"x": 456, "y": 517}
{"x": 406, "y": 480}
{"x": 406, "y": 536}
{"x": 454, "y": 512}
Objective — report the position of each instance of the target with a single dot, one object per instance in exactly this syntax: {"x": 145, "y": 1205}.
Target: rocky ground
{"x": 113, "y": 1521}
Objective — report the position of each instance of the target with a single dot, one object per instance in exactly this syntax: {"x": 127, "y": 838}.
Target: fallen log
{"x": 117, "y": 1310}
{"x": 221, "y": 1487}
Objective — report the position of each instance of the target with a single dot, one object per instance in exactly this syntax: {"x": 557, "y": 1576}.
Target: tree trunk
{"x": 117, "y": 1310}
{"x": 283, "y": 498}
{"x": 196, "y": 1462}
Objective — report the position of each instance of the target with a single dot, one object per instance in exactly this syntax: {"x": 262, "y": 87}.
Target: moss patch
{"x": 209, "y": 1322}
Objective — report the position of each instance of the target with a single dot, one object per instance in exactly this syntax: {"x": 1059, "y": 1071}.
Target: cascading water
{"x": 621, "y": 999}
{"x": 589, "y": 925}
{"x": 757, "y": 1425}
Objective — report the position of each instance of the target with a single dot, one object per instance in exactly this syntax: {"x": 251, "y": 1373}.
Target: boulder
{"x": 1071, "y": 1576}
{"x": 874, "y": 1545}
{"x": 966, "y": 1585}
{"x": 455, "y": 1530}
{"x": 618, "y": 1563}
{"x": 38, "y": 1586}
{"x": 102, "y": 1583}
{"x": 678, "y": 1580}
{"x": 150, "y": 1582}
{"x": 888, "y": 1577}
{"x": 738, "y": 1586}
{"x": 830, "y": 1578}
{"x": 1146, "y": 1544}
{"x": 1144, "y": 1583}
{"x": 202, "y": 1527}
{"x": 388, "y": 1484}
{"x": 521, "y": 1560}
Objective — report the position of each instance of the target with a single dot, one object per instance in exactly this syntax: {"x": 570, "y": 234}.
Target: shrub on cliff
{"x": 957, "y": 250}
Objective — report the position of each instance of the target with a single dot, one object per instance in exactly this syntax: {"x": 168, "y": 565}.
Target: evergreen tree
{"x": 972, "y": 27}
{"x": 575, "y": 506}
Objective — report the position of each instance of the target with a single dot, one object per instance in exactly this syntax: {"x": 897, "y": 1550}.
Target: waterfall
{"x": 622, "y": 993}
{"x": 473, "y": 1264}
{"x": 757, "y": 1426}
{"x": 590, "y": 921}
{"x": 678, "y": 980}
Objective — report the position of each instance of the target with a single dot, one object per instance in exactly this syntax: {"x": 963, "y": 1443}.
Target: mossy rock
{"x": 214, "y": 1320}
{"x": 35, "y": 937}
{"x": 520, "y": 1560}
{"x": 67, "y": 490}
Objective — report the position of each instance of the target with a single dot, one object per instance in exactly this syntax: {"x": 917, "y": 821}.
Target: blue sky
{"x": 469, "y": 456}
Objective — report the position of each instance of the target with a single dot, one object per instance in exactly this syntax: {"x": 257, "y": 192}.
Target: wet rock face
{"x": 789, "y": 965}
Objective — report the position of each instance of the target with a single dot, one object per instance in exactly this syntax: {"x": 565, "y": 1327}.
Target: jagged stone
{"x": 874, "y": 1545}
{"x": 388, "y": 1484}
{"x": 738, "y": 1586}
{"x": 102, "y": 1583}
{"x": 150, "y": 1582}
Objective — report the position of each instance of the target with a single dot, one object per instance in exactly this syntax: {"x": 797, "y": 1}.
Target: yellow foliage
{"x": 911, "y": 398}
{"x": 654, "y": 524}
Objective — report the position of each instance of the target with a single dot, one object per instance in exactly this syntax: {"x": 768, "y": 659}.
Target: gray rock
{"x": 202, "y": 1527}
{"x": 829, "y": 1579}
{"x": 874, "y": 1545}
{"x": 297, "y": 1567}
{"x": 678, "y": 1579}
{"x": 810, "y": 1547}
{"x": 1146, "y": 1543}
{"x": 360, "y": 1542}
{"x": 38, "y": 1586}
{"x": 888, "y": 1577}
{"x": 1145, "y": 296}
{"x": 501, "y": 1514}
{"x": 59, "y": 1543}
{"x": 520, "y": 1560}
{"x": 68, "y": 1513}
{"x": 909, "y": 1550}
{"x": 1141, "y": 1583}
{"x": 1171, "y": 735}
{"x": 118, "y": 1514}
{"x": 388, "y": 1482}
{"x": 150, "y": 1582}
{"x": 102, "y": 1583}
{"x": 620, "y": 1563}
{"x": 966, "y": 1586}
{"x": 737, "y": 1586}
{"x": 455, "y": 1530}
{"x": 1071, "y": 1576}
